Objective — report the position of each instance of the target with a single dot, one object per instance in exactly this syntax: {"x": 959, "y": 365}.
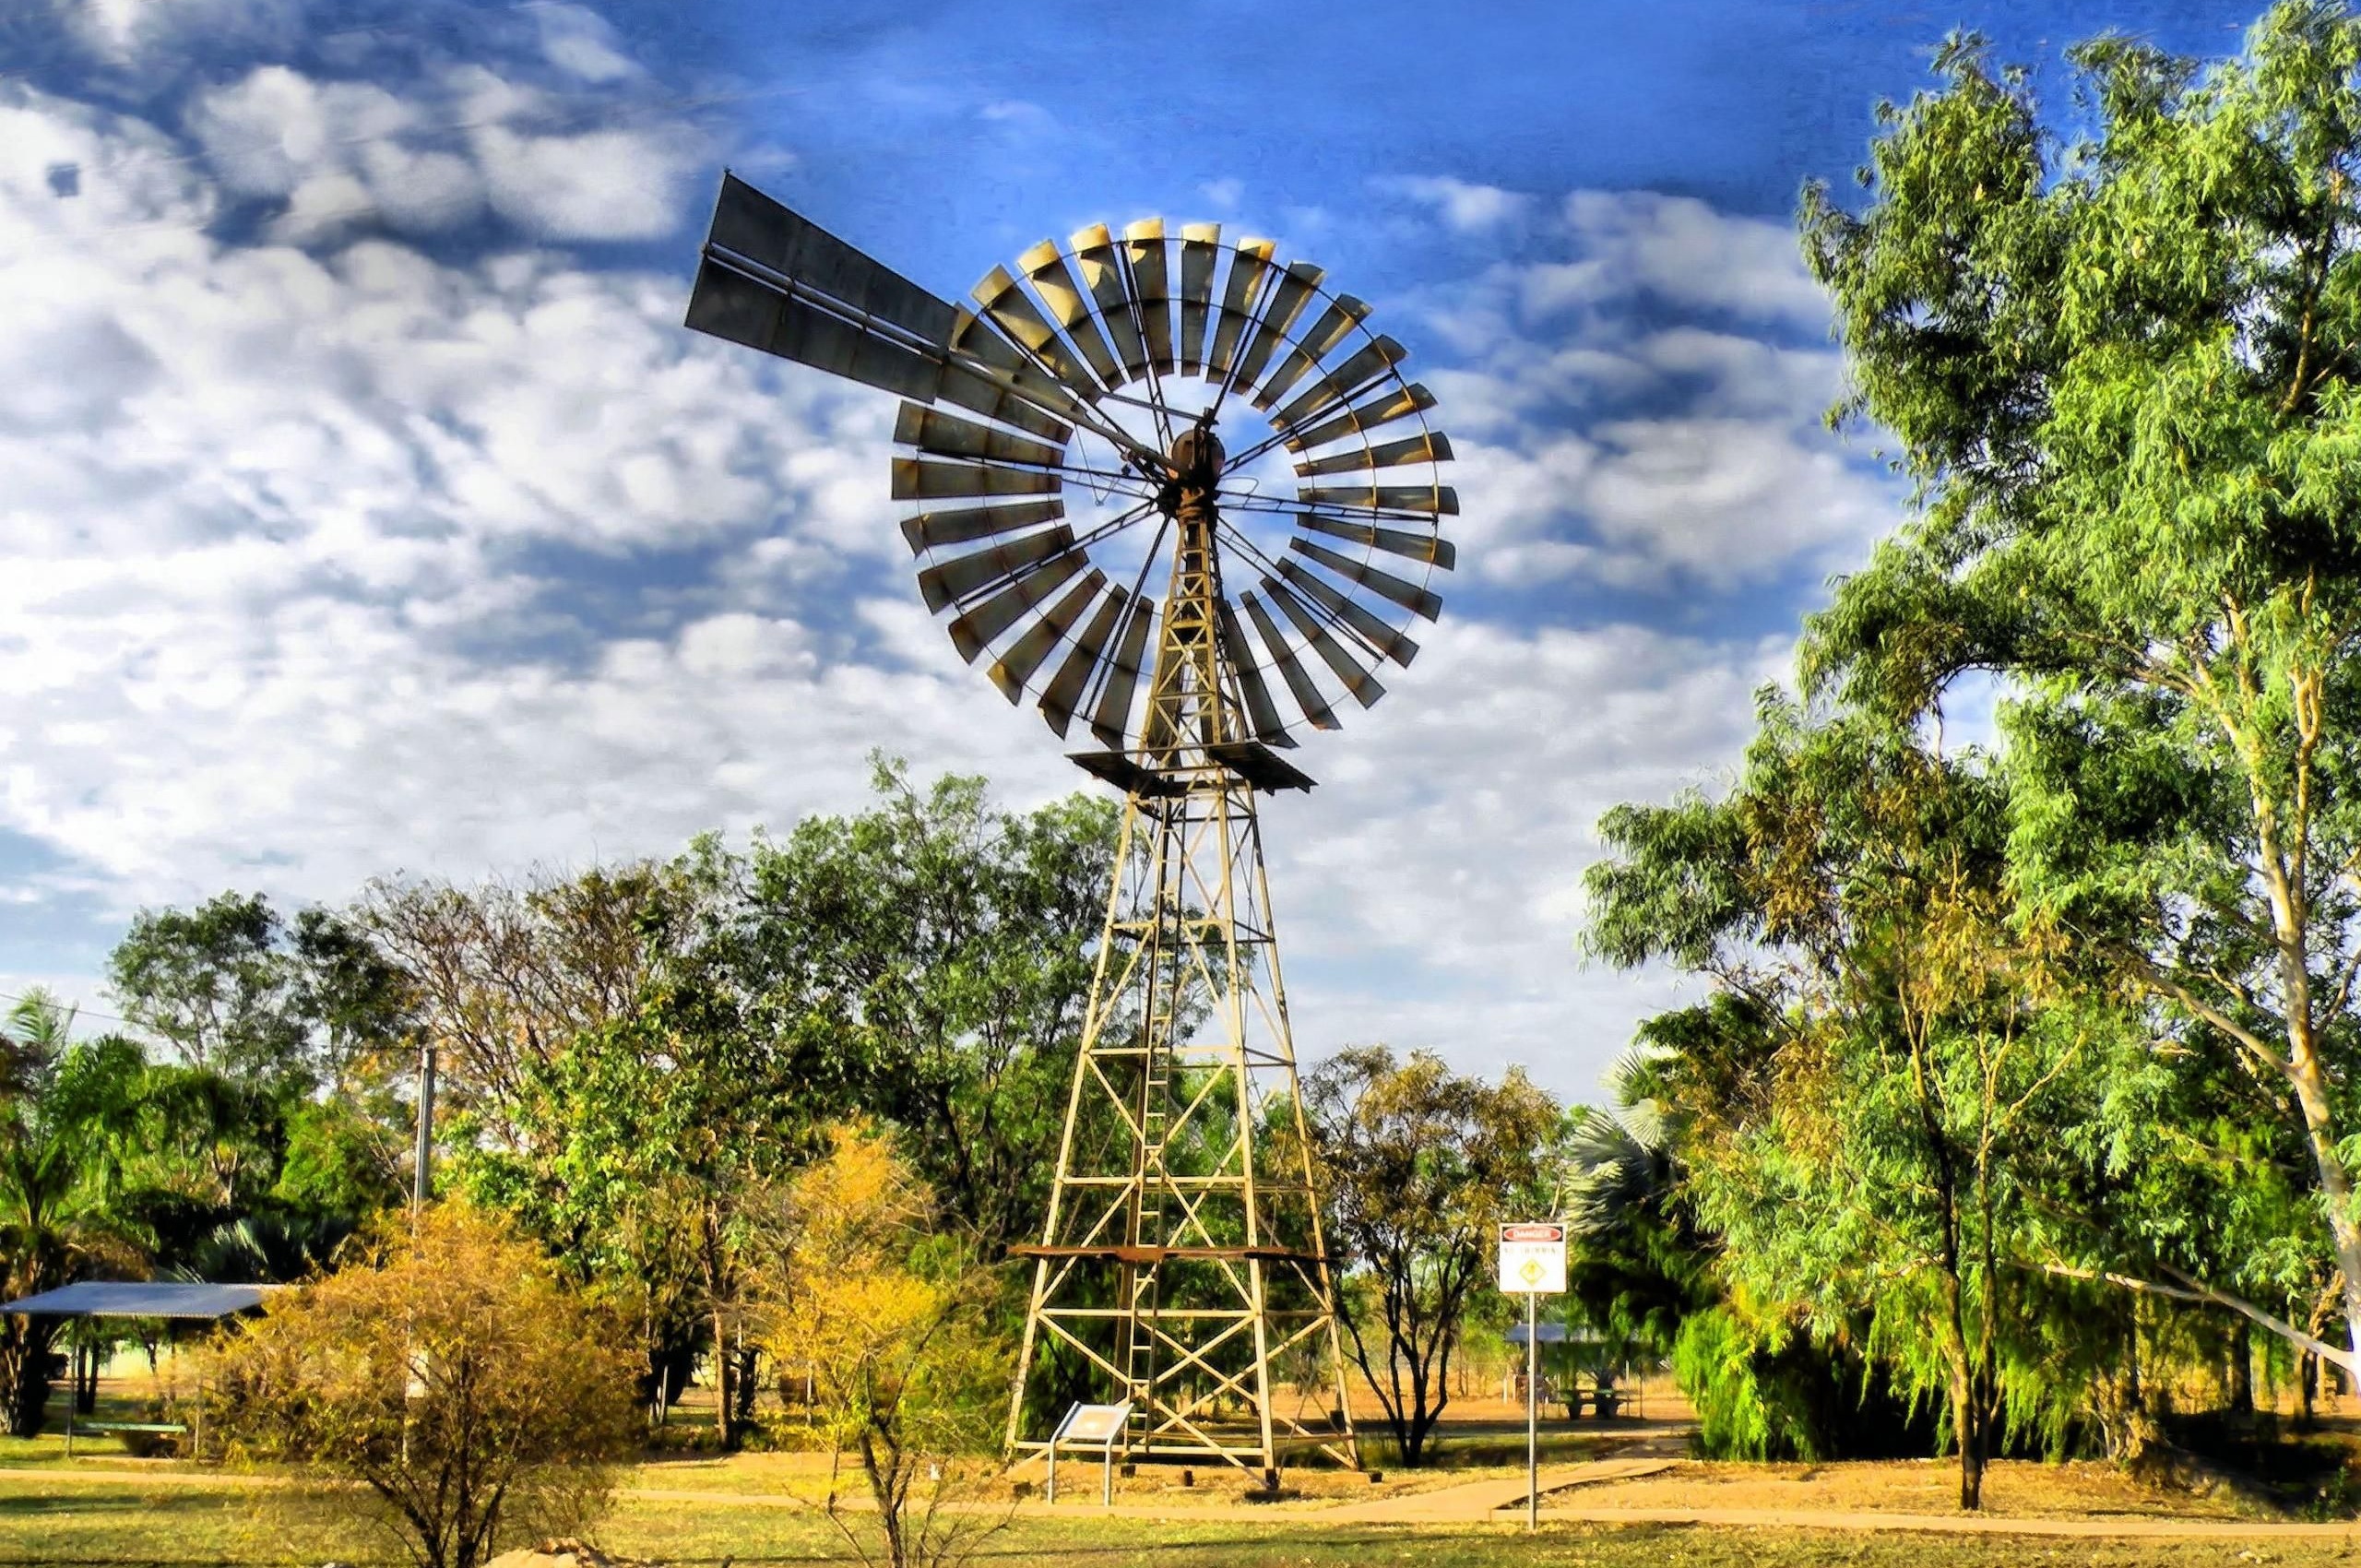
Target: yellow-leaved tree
{"x": 472, "y": 1397}
{"x": 886, "y": 1318}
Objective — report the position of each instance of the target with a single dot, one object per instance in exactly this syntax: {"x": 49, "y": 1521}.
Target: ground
{"x": 1615, "y": 1495}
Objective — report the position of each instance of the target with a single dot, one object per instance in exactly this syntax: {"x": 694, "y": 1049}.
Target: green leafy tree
{"x": 1420, "y": 1166}
{"x": 1892, "y": 1159}
{"x": 232, "y": 988}
{"x": 1644, "y": 1267}
{"x": 2124, "y": 370}
{"x": 642, "y": 1149}
{"x": 942, "y": 945}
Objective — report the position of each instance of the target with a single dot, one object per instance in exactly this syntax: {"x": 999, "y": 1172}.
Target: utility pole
{"x": 421, "y": 1191}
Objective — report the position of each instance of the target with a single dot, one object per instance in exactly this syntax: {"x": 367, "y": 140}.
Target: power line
{"x": 76, "y": 1010}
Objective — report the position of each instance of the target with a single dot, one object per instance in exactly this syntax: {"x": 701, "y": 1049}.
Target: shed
{"x": 176, "y": 1300}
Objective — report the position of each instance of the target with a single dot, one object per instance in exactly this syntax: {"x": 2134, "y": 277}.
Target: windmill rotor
{"x": 1051, "y": 436}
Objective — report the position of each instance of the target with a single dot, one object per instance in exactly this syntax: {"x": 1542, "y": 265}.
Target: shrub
{"x": 447, "y": 1371}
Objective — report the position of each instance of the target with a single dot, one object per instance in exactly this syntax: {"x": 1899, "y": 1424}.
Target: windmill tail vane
{"x": 1197, "y": 600}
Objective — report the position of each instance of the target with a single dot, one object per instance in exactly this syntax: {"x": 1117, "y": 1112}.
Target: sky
{"x": 365, "y": 509}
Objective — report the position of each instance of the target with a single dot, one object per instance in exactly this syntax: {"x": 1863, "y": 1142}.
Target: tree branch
{"x": 2191, "y": 1288}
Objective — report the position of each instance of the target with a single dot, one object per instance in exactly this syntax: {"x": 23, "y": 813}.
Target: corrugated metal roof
{"x": 148, "y": 1297}
{"x": 1555, "y": 1334}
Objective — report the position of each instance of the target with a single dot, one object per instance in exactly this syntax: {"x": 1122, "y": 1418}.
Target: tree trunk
{"x": 887, "y": 1495}
{"x": 2241, "y": 1379}
{"x": 24, "y": 1364}
{"x": 747, "y": 1386}
{"x": 2304, "y": 1072}
{"x": 1970, "y": 1426}
{"x": 722, "y": 1379}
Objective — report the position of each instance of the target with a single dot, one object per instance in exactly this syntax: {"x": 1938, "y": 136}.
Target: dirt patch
{"x": 2012, "y": 1489}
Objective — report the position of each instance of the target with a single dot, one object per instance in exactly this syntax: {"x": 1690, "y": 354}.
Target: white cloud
{"x": 1447, "y": 842}
{"x": 1606, "y": 434}
{"x": 343, "y": 153}
{"x": 125, "y": 31}
{"x": 327, "y": 558}
{"x": 260, "y": 522}
{"x": 1018, "y": 116}
{"x": 1467, "y": 209}
{"x": 1683, "y": 251}
{"x": 579, "y": 42}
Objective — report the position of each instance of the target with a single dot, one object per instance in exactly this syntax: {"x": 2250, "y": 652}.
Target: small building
{"x": 169, "y": 1301}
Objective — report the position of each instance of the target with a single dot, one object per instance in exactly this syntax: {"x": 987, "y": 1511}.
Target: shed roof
{"x": 146, "y": 1298}
{"x": 1556, "y": 1333}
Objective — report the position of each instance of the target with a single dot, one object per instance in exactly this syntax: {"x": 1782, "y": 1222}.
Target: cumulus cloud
{"x": 1465, "y": 207}
{"x": 261, "y": 536}
{"x": 1638, "y": 403}
{"x": 579, "y": 42}
{"x": 125, "y": 31}
{"x": 451, "y": 145}
{"x": 1448, "y": 840}
{"x": 395, "y": 535}
{"x": 1684, "y": 252}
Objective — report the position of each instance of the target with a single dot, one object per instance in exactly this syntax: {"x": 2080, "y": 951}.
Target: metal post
{"x": 1107, "y": 1477}
{"x": 1051, "y": 1492}
{"x": 421, "y": 1191}
{"x": 1531, "y": 1416}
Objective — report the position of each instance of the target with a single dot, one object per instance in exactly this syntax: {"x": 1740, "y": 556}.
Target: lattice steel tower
{"x": 1183, "y": 1265}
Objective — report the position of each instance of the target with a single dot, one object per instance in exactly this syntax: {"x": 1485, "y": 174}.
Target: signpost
{"x": 1101, "y": 1424}
{"x": 1533, "y": 1264}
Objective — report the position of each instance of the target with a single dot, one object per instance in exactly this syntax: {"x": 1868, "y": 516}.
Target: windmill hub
{"x": 1197, "y": 458}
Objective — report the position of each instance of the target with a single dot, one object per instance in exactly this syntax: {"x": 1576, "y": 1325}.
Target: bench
{"x": 162, "y": 1429}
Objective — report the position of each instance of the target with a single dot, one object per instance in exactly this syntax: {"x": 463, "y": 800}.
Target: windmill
{"x": 1193, "y": 597}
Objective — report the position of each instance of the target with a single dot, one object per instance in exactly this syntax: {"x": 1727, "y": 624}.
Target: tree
{"x": 2124, "y": 370}
{"x": 503, "y": 976}
{"x": 1893, "y": 1158}
{"x": 1644, "y": 1267}
{"x": 888, "y": 1319}
{"x": 641, "y": 1150}
{"x": 232, "y": 988}
{"x": 1420, "y": 1166}
{"x": 459, "y": 1392}
{"x": 942, "y": 945}
{"x": 72, "y": 1117}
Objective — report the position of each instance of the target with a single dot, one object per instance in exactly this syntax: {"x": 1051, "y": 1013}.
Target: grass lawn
{"x": 188, "y": 1523}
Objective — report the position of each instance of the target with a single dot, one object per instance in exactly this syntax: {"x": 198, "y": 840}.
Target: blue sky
{"x": 364, "y": 509}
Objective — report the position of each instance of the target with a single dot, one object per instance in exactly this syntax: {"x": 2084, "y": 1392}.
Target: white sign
{"x": 1533, "y": 1260}
{"x": 1093, "y": 1423}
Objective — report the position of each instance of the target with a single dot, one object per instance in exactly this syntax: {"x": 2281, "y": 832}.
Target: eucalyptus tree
{"x": 1874, "y": 1129}
{"x": 2120, "y": 356}
{"x": 235, "y": 989}
{"x": 1419, "y": 1165}
{"x": 642, "y": 1149}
